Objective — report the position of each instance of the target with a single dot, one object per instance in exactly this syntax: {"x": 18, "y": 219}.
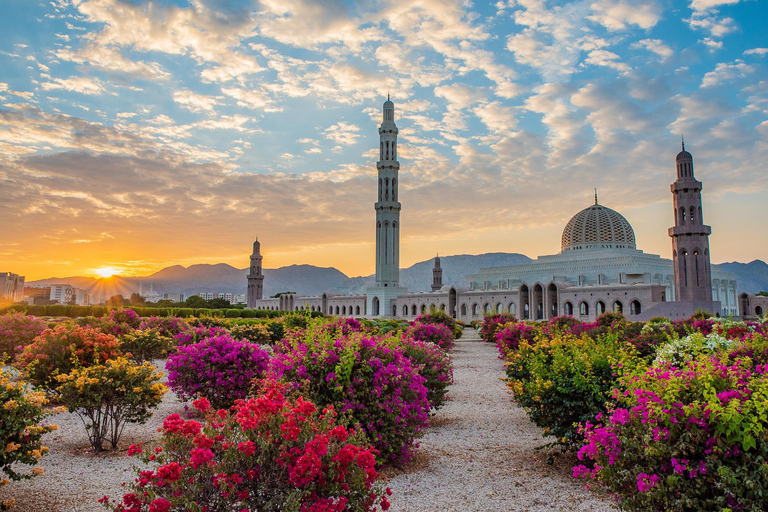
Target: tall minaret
{"x": 690, "y": 236}
{"x": 387, "y": 206}
{"x": 437, "y": 275}
{"x": 255, "y": 276}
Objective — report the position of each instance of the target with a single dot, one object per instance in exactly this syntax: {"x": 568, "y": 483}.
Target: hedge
{"x": 233, "y": 313}
{"x": 57, "y": 310}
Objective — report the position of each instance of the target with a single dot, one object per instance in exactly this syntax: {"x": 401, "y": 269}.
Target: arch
{"x": 394, "y": 190}
{"x": 758, "y": 311}
{"x": 744, "y": 304}
{"x": 386, "y": 189}
{"x": 394, "y": 310}
{"x": 386, "y": 150}
{"x": 423, "y": 309}
{"x": 525, "y": 297}
{"x": 498, "y": 307}
{"x": 405, "y": 310}
{"x": 537, "y": 299}
{"x": 453, "y": 297}
{"x": 512, "y": 308}
{"x": 343, "y": 310}
{"x": 684, "y": 264}
{"x": 442, "y": 307}
{"x": 381, "y": 191}
{"x": 487, "y": 308}
{"x": 375, "y": 306}
{"x": 583, "y": 308}
{"x": 337, "y": 310}
{"x": 551, "y": 300}
{"x": 635, "y": 308}
{"x": 568, "y": 308}
{"x": 297, "y": 308}
{"x": 381, "y": 155}
{"x": 463, "y": 310}
{"x": 617, "y": 307}
{"x": 475, "y": 309}
{"x": 682, "y": 215}
{"x": 357, "y": 310}
{"x": 599, "y": 308}
{"x": 693, "y": 215}
{"x": 432, "y": 307}
{"x": 413, "y": 310}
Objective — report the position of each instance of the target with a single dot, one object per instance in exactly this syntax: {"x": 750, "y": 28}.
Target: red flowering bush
{"x": 687, "y": 438}
{"x": 438, "y": 334}
{"x": 366, "y": 376}
{"x": 493, "y": 324}
{"x": 57, "y": 351}
{"x": 17, "y": 331}
{"x": 267, "y": 454}
{"x": 219, "y": 368}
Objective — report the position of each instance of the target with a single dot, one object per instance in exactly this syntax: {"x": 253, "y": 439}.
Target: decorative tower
{"x": 437, "y": 275}
{"x": 387, "y": 208}
{"x": 255, "y": 277}
{"x": 690, "y": 236}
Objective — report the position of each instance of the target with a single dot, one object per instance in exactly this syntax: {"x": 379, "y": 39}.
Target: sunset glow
{"x": 175, "y": 132}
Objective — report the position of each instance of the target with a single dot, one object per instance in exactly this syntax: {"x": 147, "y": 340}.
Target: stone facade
{"x": 255, "y": 277}
{"x": 598, "y": 269}
{"x": 11, "y": 286}
{"x": 752, "y": 306}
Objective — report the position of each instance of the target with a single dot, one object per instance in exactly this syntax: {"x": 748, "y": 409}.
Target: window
{"x": 634, "y": 307}
{"x": 567, "y": 308}
{"x": 475, "y": 311}
{"x": 413, "y": 310}
{"x": 463, "y": 310}
{"x": 583, "y": 309}
{"x": 618, "y": 307}
{"x": 599, "y": 308}
{"x": 405, "y": 310}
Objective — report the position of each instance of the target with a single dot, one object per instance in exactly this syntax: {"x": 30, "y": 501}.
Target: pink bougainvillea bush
{"x": 268, "y": 454}
{"x": 509, "y": 336}
{"x": 189, "y": 334}
{"x": 492, "y": 324}
{"x": 438, "y": 334}
{"x": 364, "y": 376}
{"x": 434, "y": 365}
{"x": 219, "y": 368}
{"x": 687, "y": 438}
{"x": 17, "y": 331}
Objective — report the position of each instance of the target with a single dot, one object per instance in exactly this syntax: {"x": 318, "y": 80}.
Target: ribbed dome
{"x": 684, "y": 155}
{"x": 597, "y": 227}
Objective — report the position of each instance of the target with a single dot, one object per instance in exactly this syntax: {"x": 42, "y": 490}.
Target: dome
{"x": 684, "y": 155}
{"x": 597, "y": 227}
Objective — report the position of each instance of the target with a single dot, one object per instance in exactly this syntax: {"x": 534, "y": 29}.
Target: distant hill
{"x": 311, "y": 280}
{"x": 750, "y": 277}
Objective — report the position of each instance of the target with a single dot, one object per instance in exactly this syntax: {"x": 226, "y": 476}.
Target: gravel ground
{"x": 478, "y": 455}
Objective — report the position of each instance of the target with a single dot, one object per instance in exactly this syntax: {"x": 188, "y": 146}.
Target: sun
{"x": 106, "y": 271}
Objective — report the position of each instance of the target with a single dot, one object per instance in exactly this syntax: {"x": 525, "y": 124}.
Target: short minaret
{"x": 387, "y": 206}
{"x": 255, "y": 276}
{"x": 690, "y": 236}
{"x": 437, "y": 275}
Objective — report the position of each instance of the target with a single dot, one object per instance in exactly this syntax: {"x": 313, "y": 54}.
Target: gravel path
{"x": 479, "y": 455}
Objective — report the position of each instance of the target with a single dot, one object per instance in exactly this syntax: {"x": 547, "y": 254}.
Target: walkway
{"x": 479, "y": 454}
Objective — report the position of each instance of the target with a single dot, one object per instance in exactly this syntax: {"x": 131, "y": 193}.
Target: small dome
{"x": 597, "y": 227}
{"x": 684, "y": 155}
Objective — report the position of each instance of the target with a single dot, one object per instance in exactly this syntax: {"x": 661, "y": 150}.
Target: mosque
{"x": 598, "y": 269}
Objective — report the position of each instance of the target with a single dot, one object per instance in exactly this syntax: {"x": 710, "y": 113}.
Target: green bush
{"x": 185, "y": 312}
{"x": 276, "y": 330}
{"x": 562, "y": 381}
{"x": 97, "y": 311}
{"x": 37, "y": 310}
{"x": 160, "y": 312}
{"x": 107, "y": 396}
{"x": 251, "y": 313}
{"x": 146, "y": 345}
{"x": 202, "y": 312}
{"x": 233, "y": 313}
{"x": 77, "y": 311}
{"x": 57, "y": 310}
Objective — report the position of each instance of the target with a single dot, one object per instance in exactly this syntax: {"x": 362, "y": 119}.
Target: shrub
{"x": 20, "y": 428}
{"x": 191, "y": 334}
{"x": 434, "y": 365}
{"x": 97, "y": 311}
{"x": 233, "y": 313}
{"x": 438, "y": 334}
{"x": 77, "y": 311}
{"x": 296, "y": 321}
{"x": 219, "y": 368}
{"x": 107, "y": 396}
{"x": 276, "y": 330}
{"x": 166, "y": 326}
{"x": 509, "y": 336}
{"x": 202, "y": 312}
{"x": 57, "y": 310}
{"x": 442, "y": 318}
{"x": 57, "y": 351}
{"x": 679, "y": 350}
{"x": 563, "y": 380}
{"x": 363, "y": 375}
{"x": 492, "y": 324}
{"x": 146, "y": 345}
{"x": 688, "y": 439}
{"x": 252, "y": 333}
{"x": 17, "y": 331}
{"x": 270, "y": 454}
{"x": 185, "y": 312}
{"x": 37, "y": 310}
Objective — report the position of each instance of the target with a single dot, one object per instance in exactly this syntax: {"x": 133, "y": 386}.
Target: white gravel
{"x": 479, "y": 455}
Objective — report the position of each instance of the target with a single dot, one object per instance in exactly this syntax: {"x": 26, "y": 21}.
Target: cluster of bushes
{"x": 665, "y": 415}
{"x": 73, "y": 311}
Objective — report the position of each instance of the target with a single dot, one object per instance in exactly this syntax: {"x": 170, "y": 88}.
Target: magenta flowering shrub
{"x": 442, "y": 318}
{"x": 164, "y": 326}
{"x": 434, "y": 365}
{"x": 193, "y": 334}
{"x": 364, "y": 376}
{"x": 492, "y": 324}
{"x": 510, "y": 336}
{"x": 437, "y": 334}
{"x": 120, "y": 321}
{"x": 686, "y": 439}
{"x": 18, "y": 331}
{"x": 270, "y": 453}
{"x": 219, "y": 368}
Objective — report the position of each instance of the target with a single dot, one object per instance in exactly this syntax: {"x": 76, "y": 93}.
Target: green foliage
{"x": 202, "y": 312}
{"x": 563, "y": 380}
{"x": 107, "y": 396}
{"x": 253, "y": 333}
{"x": 146, "y": 345}
{"x": 20, "y": 428}
{"x": 680, "y": 350}
{"x": 296, "y": 321}
{"x": 77, "y": 311}
{"x": 97, "y": 311}
{"x": 59, "y": 350}
{"x": 184, "y": 312}
{"x": 233, "y": 313}
{"x": 57, "y": 310}
{"x": 276, "y": 331}
{"x": 37, "y": 310}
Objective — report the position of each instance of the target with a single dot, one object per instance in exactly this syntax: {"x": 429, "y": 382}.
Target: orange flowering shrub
{"x": 57, "y": 351}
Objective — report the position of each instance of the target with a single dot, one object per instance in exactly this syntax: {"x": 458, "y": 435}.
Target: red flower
{"x": 200, "y": 456}
{"x": 134, "y": 449}
{"x": 160, "y": 505}
{"x": 247, "y": 448}
{"x": 202, "y": 404}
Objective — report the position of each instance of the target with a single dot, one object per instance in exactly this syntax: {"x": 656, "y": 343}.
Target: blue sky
{"x": 140, "y": 134}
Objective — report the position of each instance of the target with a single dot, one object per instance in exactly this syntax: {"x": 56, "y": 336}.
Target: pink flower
{"x": 200, "y": 456}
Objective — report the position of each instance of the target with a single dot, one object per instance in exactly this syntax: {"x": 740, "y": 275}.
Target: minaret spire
{"x": 255, "y": 276}
{"x": 595, "y": 196}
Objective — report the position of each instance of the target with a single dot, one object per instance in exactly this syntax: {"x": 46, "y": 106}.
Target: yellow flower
{"x": 137, "y": 390}
{"x": 38, "y": 471}
{"x": 10, "y": 404}
{"x": 4, "y": 481}
{"x": 12, "y": 447}
{"x": 9, "y": 503}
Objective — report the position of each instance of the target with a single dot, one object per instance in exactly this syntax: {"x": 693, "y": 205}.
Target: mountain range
{"x": 311, "y": 280}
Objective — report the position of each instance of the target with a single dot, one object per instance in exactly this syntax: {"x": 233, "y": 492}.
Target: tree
{"x": 196, "y": 301}
{"x": 281, "y": 293}
{"x": 115, "y": 301}
{"x": 764, "y": 294}
{"x": 218, "y": 303}
{"x": 137, "y": 300}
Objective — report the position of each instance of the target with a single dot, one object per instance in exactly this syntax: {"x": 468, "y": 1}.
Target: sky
{"x": 136, "y": 135}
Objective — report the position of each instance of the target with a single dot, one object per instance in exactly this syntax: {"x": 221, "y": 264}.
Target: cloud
{"x": 703, "y": 5}
{"x": 81, "y": 84}
{"x": 607, "y": 59}
{"x": 756, "y": 51}
{"x": 725, "y": 72}
{"x": 342, "y": 133}
{"x": 708, "y": 21}
{"x": 654, "y": 45}
{"x": 195, "y": 102}
{"x": 618, "y": 15}
{"x": 110, "y": 59}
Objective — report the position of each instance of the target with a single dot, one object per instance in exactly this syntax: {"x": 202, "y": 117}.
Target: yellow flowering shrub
{"x": 21, "y": 412}
{"x": 107, "y": 396}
